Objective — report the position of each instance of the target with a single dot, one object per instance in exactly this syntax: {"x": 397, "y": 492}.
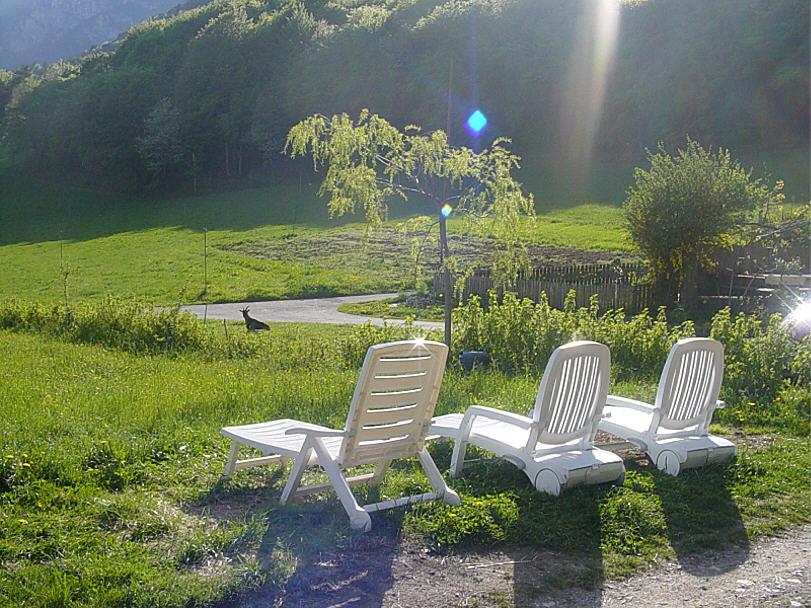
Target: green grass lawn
{"x": 394, "y": 308}
{"x": 109, "y": 469}
{"x": 268, "y": 243}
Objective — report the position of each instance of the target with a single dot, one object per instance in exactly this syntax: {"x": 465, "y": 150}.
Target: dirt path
{"x": 317, "y": 310}
{"x": 379, "y": 572}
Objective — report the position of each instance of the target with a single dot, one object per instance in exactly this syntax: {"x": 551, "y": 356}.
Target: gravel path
{"x": 380, "y": 573}
{"x": 318, "y": 310}
{"x": 774, "y": 572}
{"x": 771, "y": 573}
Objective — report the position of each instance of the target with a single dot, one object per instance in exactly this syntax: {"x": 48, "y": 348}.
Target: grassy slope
{"x": 110, "y": 462}
{"x": 153, "y": 249}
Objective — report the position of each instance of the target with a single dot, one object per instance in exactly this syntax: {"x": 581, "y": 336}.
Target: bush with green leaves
{"x": 767, "y": 374}
{"x": 352, "y": 348}
{"x": 520, "y": 335}
{"x": 115, "y": 323}
{"x": 683, "y": 207}
{"x": 767, "y": 378}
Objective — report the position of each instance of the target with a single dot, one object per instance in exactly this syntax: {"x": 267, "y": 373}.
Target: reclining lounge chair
{"x": 388, "y": 418}
{"x": 554, "y": 447}
{"x": 673, "y": 431}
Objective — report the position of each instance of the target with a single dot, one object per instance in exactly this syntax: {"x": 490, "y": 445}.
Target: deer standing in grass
{"x": 252, "y": 324}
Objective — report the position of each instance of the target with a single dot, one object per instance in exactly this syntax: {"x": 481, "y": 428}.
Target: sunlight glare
{"x": 583, "y": 98}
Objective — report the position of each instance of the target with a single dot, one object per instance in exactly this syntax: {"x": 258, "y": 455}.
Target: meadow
{"x": 110, "y": 457}
{"x": 110, "y": 489}
{"x": 269, "y": 243}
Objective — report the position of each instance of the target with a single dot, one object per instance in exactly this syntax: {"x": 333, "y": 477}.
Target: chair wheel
{"x": 361, "y": 521}
{"x": 451, "y": 498}
{"x": 547, "y": 481}
{"x": 668, "y": 462}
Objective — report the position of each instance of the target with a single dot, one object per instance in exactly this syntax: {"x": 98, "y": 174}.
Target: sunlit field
{"x": 268, "y": 243}
{"x": 110, "y": 492}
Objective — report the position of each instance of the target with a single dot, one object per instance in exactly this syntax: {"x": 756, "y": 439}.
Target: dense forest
{"x": 210, "y": 93}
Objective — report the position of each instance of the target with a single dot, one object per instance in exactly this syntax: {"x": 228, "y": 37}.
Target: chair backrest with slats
{"x": 394, "y": 401}
{"x": 690, "y": 383}
{"x": 572, "y": 394}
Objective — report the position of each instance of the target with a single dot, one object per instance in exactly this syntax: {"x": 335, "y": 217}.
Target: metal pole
{"x": 205, "y": 261}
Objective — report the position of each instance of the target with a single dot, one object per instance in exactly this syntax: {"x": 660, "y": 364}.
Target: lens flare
{"x": 476, "y": 122}
{"x": 582, "y": 103}
{"x": 446, "y": 210}
{"x": 798, "y": 322}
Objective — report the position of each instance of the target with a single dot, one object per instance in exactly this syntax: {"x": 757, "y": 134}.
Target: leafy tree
{"x": 160, "y": 145}
{"x": 369, "y": 163}
{"x": 683, "y": 207}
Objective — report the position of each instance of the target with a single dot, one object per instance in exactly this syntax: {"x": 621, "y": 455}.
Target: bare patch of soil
{"x": 393, "y": 248}
{"x": 381, "y": 572}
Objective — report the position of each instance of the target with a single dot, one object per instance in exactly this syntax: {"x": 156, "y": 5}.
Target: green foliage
{"x": 369, "y": 162}
{"x": 113, "y": 323}
{"x": 242, "y": 72}
{"x": 520, "y": 335}
{"x": 483, "y": 519}
{"x": 649, "y": 517}
{"x": 110, "y": 461}
{"x": 354, "y": 346}
{"x": 685, "y": 206}
{"x": 766, "y": 377}
{"x": 767, "y": 374}
{"x": 160, "y": 146}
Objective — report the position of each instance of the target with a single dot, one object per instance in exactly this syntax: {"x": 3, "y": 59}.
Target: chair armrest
{"x": 500, "y": 415}
{"x": 629, "y": 403}
{"x": 314, "y": 432}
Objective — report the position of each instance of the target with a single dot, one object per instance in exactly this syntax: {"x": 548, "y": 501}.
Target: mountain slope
{"x": 228, "y": 79}
{"x": 41, "y": 31}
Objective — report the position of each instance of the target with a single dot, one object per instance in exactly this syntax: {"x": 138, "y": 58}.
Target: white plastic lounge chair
{"x": 389, "y": 416}
{"x": 554, "y": 447}
{"x": 673, "y": 431}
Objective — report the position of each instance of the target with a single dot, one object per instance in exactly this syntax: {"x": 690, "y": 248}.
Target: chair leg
{"x": 232, "y": 460}
{"x": 380, "y": 470}
{"x": 294, "y": 479}
{"x": 458, "y": 457}
{"x": 437, "y": 481}
{"x": 358, "y": 518}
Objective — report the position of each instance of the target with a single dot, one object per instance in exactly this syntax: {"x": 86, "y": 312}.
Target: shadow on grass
{"x": 575, "y": 576}
{"x": 701, "y": 514}
{"x": 552, "y": 545}
{"x": 37, "y": 212}
{"x": 309, "y": 555}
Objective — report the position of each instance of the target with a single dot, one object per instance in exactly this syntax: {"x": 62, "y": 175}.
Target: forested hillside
{"x": 209, "y": 94}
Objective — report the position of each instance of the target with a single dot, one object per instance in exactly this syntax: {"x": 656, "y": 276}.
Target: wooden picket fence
{"x": 616, "y": 285}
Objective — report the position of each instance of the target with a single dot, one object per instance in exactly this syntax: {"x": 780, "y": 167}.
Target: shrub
{"x": 352, "y": 349}
{"x": 520, "y": 335}
{"x": 114, "y": 323}
{"x": 685, "y": 206}
{"x": 766, "y": 372}
{"x": 767, "y": 376}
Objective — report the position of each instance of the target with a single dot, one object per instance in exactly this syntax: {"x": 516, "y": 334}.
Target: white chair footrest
{"x": 401, "y": 502}
{"x": 320, "y": 487}
{"x": 254, "y": 462}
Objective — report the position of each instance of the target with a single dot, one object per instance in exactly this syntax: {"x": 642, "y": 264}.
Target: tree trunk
{"x": 227, "y": 160}
{"x": 690, "y": 285}
{"x": 446, "y": 276}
